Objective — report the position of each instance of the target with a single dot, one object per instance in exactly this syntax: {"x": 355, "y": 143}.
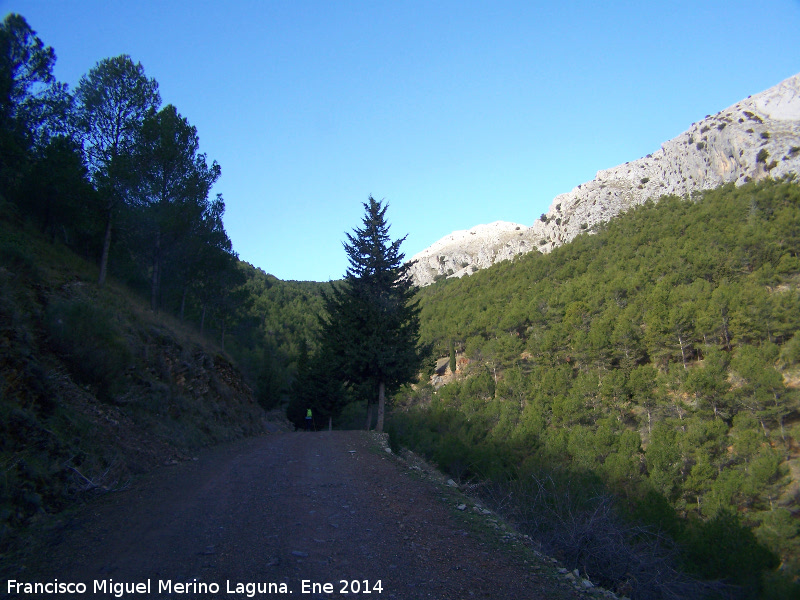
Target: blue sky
{"x": 456, "y": 113}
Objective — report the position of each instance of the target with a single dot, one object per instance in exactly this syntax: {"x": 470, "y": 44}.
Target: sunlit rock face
{"x": 753, "y": 139}
{"x": 463, "y": 252}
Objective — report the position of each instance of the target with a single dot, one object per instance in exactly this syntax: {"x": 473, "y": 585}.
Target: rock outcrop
{"x": 753, "y": 139}
{"x": 756, "y": 138}
{"x": 463, "y": 252}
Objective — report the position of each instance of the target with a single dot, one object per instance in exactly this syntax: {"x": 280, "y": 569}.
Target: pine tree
{"x": 112, "y": 102}
{"x": 372, "y": 324}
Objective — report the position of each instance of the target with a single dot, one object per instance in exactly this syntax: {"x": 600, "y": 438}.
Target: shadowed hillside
{"x": 94, "y": 386}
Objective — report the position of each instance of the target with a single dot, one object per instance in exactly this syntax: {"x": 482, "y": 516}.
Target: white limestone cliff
{"x": 463, "y": 252}
{"x": 756, "y": 138}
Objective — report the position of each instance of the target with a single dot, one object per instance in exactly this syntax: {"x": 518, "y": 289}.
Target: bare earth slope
{"x": 281, "y": 509}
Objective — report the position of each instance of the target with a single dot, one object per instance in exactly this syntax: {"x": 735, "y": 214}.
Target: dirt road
{"x": 281, "y": 515}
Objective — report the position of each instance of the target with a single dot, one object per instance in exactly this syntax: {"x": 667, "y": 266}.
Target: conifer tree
{"x": 112, "y": 102}
{"x": 372, "y": 324}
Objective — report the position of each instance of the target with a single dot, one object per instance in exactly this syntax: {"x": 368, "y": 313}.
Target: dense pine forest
{"x": 657, "y": 359}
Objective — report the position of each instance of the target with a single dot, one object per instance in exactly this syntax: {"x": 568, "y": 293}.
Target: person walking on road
{"x": 308, "y": 420}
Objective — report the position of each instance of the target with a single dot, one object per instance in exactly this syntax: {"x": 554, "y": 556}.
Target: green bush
{"x": 790, "y": 353}
{"x": 722, "y": 548}
{"x": 14, "y": 252}
{"x": 85, "y": 336}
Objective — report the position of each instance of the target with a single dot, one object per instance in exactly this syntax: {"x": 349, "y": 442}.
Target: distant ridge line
{"x": 755, "y": 138}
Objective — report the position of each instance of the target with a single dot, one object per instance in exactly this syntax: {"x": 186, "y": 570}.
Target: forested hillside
{"x": 95, "y": 387}
{"x": 277, "y": 323}
{"x": 660, "y": 354}
{"x": 110, "y": 174}
{"x": 122, "y": 302}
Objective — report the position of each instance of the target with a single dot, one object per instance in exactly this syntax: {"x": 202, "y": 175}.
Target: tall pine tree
{"x": 112, "y": 102}
{"x": 372, "y": 324}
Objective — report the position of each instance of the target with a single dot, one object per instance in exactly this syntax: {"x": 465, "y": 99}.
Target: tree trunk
{"x": 203, "y": 320}
{"x": 154, "y": 282}
{"x": 183, "y": 302}
{"x": 369, "y": 415}
{"x": 725, "y": 333}
{"x": 330, "y": 422}
{"x": 106, "y": 249}
{"x": 381, "y": 401}
{"x": 683, "y": 352}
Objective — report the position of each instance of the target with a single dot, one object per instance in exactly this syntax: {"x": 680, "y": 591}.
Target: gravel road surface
{"x": 298, "y": 515}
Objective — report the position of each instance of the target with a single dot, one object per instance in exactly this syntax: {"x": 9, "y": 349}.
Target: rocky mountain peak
{"x": 756, "y": 138}
{"x": 464, "y": 252}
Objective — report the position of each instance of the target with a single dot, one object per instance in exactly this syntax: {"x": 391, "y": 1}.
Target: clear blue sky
{"x": 456, "y": 113}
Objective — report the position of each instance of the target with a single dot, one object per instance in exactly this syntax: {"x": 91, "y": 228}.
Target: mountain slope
{"x": 660, "y": 354}
{"x": 94, "y": 387}
{"x": 753, "y": 139}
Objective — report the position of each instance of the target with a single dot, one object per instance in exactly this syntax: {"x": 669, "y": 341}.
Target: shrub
{"x": 86, "y": 338}
{"x": 762, "y": 156}
{"x": 573, "y": 517}
{"x": 15, "y": 252}
{"x": 790, "y": 353}
{"x": 722, "y": 548}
